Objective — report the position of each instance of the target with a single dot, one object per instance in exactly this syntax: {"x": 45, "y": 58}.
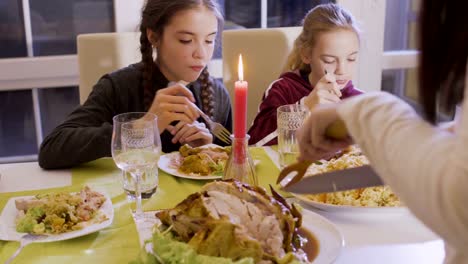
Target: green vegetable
{"x": 29, "y": 224}
{"x": 171, "y": 251}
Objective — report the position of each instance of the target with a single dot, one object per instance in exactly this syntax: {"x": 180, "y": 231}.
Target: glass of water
{"x": 148, "y": 185}
{"x": 136, "y": 147}
{"x": 289, "y": 120}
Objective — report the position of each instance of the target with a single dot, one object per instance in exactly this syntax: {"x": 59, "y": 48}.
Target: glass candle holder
{"x": 240, "y": 165}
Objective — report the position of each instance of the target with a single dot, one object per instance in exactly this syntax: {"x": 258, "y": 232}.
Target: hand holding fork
{"x": 217, "y": 129}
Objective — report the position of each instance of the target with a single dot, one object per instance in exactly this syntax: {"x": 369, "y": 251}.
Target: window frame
{"x": 59, "y": 71}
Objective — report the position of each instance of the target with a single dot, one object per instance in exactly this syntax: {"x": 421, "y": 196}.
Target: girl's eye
{"x": 183, "y": 41}
{"x": 328, "y": 62}
{"x": 353, "y": 59}
{"x": 209, "y": 41}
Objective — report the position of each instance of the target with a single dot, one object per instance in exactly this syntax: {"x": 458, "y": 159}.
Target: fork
{"x": 24, "y": 241}
{"x": 216, "y": 128}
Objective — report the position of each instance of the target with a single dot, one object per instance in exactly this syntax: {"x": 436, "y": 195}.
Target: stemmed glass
{"x": 136, "y": 147}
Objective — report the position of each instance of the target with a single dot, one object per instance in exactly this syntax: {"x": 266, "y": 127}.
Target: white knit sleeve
{"x": 426, "y": 166}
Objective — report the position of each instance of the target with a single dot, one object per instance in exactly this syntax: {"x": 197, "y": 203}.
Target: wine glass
{"x": 136, "y": 147}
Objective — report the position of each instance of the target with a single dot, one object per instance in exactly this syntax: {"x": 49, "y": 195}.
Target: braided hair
{"x": 156, "y": 15}
{"x": 146, "y": 50}
{"x": 207, "y": 92}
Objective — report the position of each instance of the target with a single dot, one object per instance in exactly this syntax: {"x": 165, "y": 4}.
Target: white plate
{"x": 164, "y": 164}
{"x": 8, "y": 226}
{"x": 349, "y": 208}
{"x": 329, "y": 238}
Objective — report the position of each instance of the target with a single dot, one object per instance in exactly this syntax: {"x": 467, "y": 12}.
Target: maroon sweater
{"x": 290, "y": 88}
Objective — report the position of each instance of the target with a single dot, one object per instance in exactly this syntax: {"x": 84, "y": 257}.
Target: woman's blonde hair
{"x": 321, "y": 19}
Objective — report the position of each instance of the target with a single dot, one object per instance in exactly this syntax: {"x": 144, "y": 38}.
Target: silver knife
{"x": 340, "y": 180}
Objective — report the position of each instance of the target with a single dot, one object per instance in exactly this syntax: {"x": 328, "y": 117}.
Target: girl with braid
{"x": 177, "y": 41}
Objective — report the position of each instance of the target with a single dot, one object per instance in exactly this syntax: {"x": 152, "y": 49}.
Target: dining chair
{"x": 264, "y": 53}
{"x": 101, "y": 53}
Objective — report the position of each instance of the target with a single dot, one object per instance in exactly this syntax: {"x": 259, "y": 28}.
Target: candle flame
{"x": 240, "y": 69}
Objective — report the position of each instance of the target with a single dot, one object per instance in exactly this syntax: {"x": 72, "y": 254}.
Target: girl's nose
{"x": 340, "y": 68}
{"x": 200, "y": 52}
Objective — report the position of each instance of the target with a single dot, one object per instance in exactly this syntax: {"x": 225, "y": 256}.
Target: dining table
{"x": 370, "y": 237}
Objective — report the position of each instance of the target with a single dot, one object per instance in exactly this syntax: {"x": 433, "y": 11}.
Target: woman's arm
{"x": 425, "y": 165}
{"x": 86, "y": 133}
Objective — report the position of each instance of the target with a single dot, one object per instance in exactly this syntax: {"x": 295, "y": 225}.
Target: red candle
{"x": 240, "y": 103}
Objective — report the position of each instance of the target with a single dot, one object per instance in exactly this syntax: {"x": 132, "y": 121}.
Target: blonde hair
{"x": 321, "y": 19}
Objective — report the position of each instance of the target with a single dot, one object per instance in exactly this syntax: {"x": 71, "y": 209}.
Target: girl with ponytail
{"x": 176, "y": 43}
{"x": 319, "y": 69}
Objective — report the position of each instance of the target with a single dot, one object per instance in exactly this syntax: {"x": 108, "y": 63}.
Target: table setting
{"x": 399, "y": 235}
{"x": 152, "y": 209}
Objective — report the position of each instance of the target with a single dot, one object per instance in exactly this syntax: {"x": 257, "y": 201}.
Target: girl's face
{"x": 336, "y": 52}
{"x": 187, "y": 44}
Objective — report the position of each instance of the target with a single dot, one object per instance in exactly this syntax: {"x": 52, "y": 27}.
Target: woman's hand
{"x": 195, "y": 134}
{"x": 174, "y": 103}
{"x": 326, "y": 91}
{"x": 313, "y": 143}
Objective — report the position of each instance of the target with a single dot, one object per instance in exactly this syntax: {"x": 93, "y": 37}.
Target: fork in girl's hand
{"x": 216, "y": 128}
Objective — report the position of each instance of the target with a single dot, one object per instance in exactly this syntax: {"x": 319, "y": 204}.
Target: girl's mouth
{"x": 197, "y": 68}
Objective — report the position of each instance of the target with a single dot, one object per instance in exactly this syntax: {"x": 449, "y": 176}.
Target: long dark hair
{"x": 444, "y": 49}
{"x": 156, "y": 14}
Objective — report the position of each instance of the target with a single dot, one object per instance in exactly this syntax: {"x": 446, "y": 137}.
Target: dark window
{"x": 56, "y": 23}
{"x": 290, "y": 13}
{"x": 12, "y": 36}
{"x": 17, "y": 127}
{"x": 56, "y": 104}
{"x": 400, "y": 34}
{"x": 242, "y": 14}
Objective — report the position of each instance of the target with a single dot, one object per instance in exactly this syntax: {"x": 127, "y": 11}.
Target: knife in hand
{"x": 334, "y": 181}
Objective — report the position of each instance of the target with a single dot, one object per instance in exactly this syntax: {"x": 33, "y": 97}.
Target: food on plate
{"x": 371, "y": 196}
{"x": 201, "y": 160}
{"x": 230, "y": 222}
{"x": 60, "y": 212}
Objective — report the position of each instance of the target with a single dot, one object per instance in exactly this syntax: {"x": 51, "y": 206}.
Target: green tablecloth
{"x": 117, "y": 243}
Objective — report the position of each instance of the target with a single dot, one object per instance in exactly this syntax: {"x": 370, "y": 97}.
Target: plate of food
{"x": 200, "y": 163}
{"x": 232, "y": 222}
{"x": 57, "y": 216}
{"x": 371, "y": 199}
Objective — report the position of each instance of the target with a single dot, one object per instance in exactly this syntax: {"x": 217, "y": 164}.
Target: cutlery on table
{"x": 25, "y": 240}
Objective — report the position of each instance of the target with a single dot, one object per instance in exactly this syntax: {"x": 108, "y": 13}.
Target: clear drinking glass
{"x": 148, "y": 183}
{"x": 290, "y": 118}
{"x": 136, "y": 147}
